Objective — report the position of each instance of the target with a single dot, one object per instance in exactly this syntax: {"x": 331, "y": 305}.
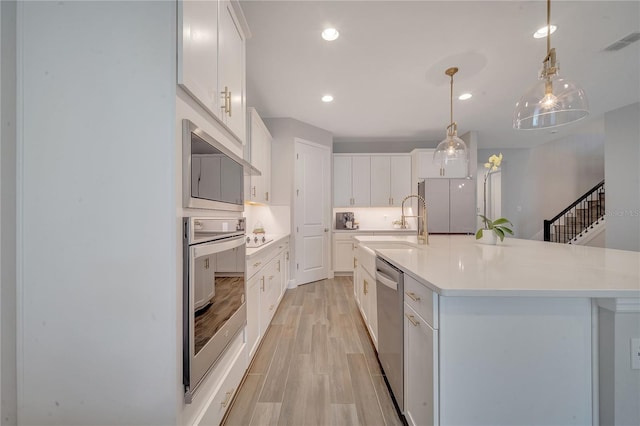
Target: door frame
{"x": 296, "y": 214}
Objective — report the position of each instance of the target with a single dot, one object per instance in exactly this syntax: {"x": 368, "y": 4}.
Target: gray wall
{"x": 539, "y": 182}
{"x": 622, "y": 165}
{"x": 8, "y": 408}
{"x": 97, "y": 320}
{"x": 619, "y": 384}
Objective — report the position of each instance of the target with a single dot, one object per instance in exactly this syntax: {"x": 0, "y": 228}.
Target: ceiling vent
{"x": 623, "y": 42}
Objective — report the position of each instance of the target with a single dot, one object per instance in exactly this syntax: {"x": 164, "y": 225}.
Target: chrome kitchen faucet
{"x": 423, "y": 237}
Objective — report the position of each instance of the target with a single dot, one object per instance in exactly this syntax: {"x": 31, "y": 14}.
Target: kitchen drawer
{"x": 256, "y": 263}
{"x": 367, "y": 259}
{"x": 221, "y": 400}
{"x": 422, "y": 300}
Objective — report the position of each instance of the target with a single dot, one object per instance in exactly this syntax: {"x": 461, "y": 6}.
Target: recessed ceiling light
{"x": 330, "y": 34}
{"x": 465, "y": 96}
{"x": 542, "y": 32}
{"x": 327, "y": 98}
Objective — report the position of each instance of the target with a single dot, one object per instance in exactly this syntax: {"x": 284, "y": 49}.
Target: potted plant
{"x": 499, "y": 226}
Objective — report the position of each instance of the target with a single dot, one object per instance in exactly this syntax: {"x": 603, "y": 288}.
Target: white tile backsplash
{"x": 376, "y": 217}
{"x": 274, "y": 219}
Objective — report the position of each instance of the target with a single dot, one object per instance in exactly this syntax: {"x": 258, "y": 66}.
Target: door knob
{"x": 326, "y": 229}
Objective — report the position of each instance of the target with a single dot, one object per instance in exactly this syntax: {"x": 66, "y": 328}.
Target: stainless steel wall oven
{"x": 214, "y": 307}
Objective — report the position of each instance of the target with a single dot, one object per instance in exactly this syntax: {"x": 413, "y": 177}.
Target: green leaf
{"x": 507, "y": 230}
{"x": 499, "y": 233}
{"x": 479, "y": 234}
{"x": 501, "y": 221}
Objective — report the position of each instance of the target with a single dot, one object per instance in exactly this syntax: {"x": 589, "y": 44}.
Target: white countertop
{"x": 250, "y": 252}
{"x": 355, "y": 231}
{"x": 459, "y": 266}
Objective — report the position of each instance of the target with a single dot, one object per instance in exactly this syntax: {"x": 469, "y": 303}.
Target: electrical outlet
{"x": 635, "y": 353}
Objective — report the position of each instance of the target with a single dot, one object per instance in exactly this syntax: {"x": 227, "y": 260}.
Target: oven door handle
{"x": 217, "y": 246}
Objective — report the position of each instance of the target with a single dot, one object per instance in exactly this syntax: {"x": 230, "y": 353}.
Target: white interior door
{"x": 311, "y": 211}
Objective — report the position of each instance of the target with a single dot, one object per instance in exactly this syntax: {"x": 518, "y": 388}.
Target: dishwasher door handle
{"x": 387, "y": 281}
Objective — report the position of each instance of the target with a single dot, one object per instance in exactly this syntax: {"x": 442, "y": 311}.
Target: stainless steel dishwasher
{"x": 390, "y": 290}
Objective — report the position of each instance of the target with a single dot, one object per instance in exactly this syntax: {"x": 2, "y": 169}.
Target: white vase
{"x": 488, "y": 237}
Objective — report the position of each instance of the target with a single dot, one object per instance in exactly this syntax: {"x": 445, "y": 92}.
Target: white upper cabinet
{"x": 197, "y": 51}
{"x": 231, "y": 70}
{"x": 427, "y": 169}
{"x": 211, "y": 60}
{"x": 260, "y": 148}
{"x": 390, "y": 179}
{"x": 351, "y": 180}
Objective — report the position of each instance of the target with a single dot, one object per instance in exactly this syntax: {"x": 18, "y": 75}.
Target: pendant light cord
{"x": 451, "y": 97}
{"x": 548, "y": 27}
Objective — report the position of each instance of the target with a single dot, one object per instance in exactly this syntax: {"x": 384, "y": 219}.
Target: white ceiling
{"x": 386, "y": 70}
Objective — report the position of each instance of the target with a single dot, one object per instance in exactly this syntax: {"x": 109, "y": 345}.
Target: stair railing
{"x": 578, "y": 217}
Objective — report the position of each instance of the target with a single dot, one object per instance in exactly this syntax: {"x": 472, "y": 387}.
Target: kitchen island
{"x": 516, "y": 333}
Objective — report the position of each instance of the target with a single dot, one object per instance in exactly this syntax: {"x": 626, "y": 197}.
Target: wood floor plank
{"x": 303, "y": 335}
{"x": 295, "y": 396}
{"x": 320, "y": 349}
{"x": 244, "y": 403}
{"x": 291, "y": 324}
{"x": 386, "y": 404}
{"x": 275, "y": 381}
{"x": 367, "y": 346}
{"x": 369, "y": 411}
{"x": 340, "y": 388}
{"x": 264, "y": 355}
{"x": 317, "y": 407}
{"x": 266, "y": 414}
{"x": 344, "y": 415}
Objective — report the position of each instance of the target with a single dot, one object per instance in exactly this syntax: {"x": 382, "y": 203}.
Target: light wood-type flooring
{"x": 316, "y": 365}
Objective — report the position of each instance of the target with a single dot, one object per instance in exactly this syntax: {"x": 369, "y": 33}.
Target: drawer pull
{"x": 412, "y": 319}
{"x": 227, "y": 398}
{"x": 262, "y": 285}
{"x": 255, "y": 265}
{"x": 271, "y": 307}
{"x": 271, "y": 277}
{"x": 412, "y": 295}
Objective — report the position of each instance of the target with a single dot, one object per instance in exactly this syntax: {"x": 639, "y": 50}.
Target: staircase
{"x": 578, "y": 219}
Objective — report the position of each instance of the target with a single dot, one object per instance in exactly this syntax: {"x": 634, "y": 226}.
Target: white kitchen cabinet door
{"x": 231, "y": 71}
{"x": 343, "y": 255}
{"x": 462, "y": 206}
{"x": 381, "y": 181}
{"x": 420, "y": 370}
{"x": 426, "y": 167}
{"x": 253, "y": 313}
{"x": 341, "y": 181}
{"x": 209, "y": 184}
{"x": 198, "y": 51}
{"x": 260, "y": 148}
{"x": 436, "y": 194}
{"x": 370, "y": 305}
{"x": 361, "y": 181}
{"x": 456, "y": 169}
{"x": 400, "y": 178}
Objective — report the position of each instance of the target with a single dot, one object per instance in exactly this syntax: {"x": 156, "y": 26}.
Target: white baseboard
{"x": 292, "y": 283}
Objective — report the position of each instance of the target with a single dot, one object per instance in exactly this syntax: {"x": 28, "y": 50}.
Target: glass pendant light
{"x": 553, "y": 101}
{"x": 452, "y": 149}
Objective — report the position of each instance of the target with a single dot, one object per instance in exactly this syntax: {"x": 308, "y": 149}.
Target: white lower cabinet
{"x": 368, "y": 305}
{"x": 420, "y": 370}
{"x": 265, "y": 286}
{"x": 344, "y": 250}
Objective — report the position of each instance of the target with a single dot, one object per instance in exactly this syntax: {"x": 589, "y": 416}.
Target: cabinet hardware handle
{"x": 266, "y": 195}
{"x": 229, "y": 97}
{"x": 227, "y": 398}
{"x": 287, "y": 258}
{"x": 254, "y": 190}
{"x": 255, "y": 265}
{"x": 226, "y": 98}
{"x": 355, "y": 263}
{"x": 206, "y": 263}
{"x": 271, "y": 277}
{"x": 262, "y": 285}
{"x": 413, "y": 320}
{"x": 366, "y": 287}
{"x": 412, "y": 295}
{"x": 278, "y": 266}
{"x": 271, "y": 307}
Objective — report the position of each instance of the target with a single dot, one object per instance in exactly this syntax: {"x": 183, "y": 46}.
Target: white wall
{"x": 8, "y": 407}
{"x": 540, "y": 182}
{"x": 276, "y": 220}
{"x": 96, "y": 213}
{"x": 622, "y": 157}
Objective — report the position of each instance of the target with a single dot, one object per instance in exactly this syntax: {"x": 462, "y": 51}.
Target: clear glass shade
{"x": 452, "y": 149}
{"x": 553, "y": 101}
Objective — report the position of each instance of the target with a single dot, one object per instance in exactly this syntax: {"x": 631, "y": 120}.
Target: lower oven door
{"x": 214, "y": 309}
